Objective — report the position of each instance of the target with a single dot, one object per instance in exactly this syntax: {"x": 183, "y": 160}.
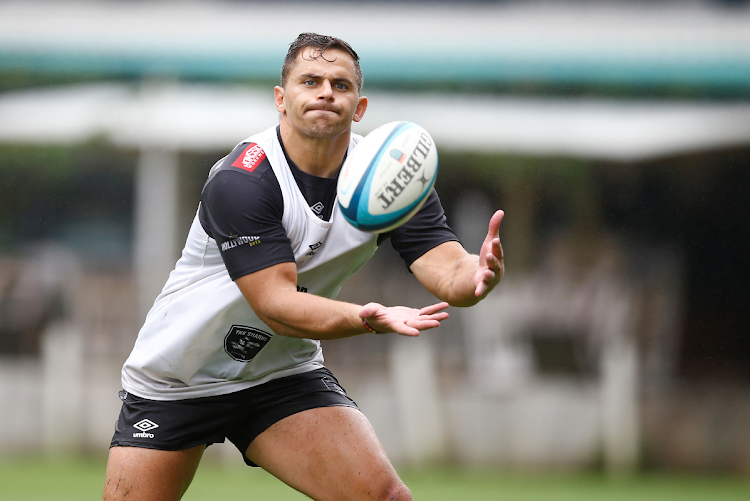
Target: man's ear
{"x": 278, "y": 96}
{"x": 361, "y": 108}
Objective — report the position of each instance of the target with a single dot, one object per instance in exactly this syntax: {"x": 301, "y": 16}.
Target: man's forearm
{"x": 313, "y": 317}
{"x": 273, "y": 296}
{"x": 447, "y": 271}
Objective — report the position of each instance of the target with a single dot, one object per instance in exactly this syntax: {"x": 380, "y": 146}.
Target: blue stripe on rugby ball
{"x": 358, "y": 203}
{"x": 394, "y": 220}
{"x": 387, "y": 222}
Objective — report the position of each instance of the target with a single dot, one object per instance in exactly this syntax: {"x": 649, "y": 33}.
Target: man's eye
{"x": 309, "y": 82}
{"x": 341, "y": 86}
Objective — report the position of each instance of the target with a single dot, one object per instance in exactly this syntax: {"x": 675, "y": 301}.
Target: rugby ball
{"x": 388, "y": 176}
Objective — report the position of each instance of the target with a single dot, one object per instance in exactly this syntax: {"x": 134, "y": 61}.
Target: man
{"x": 230, "y": 348}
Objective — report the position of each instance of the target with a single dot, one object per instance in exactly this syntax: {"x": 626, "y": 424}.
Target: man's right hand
{"x": 403, "y": 320}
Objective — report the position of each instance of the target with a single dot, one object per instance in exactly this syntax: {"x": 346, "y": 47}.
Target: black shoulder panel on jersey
{"x": 241, "y": 208}
{"x": 246, "y": 157}
{"x": 230, "y": 163}
{"x": 427, "y": 229}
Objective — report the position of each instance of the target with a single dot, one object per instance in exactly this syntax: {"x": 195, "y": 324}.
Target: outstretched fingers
{"x": 435, "y": 308}
{"x": 495, "y": 258}
{"x": 491, "y": 260}
{"x": 497, "y": 250}
{"x": 494, "y": 226}
{"x": 490, "y": 275}
{"x": 429, "y": 317}
{"x": 403, "y": 320}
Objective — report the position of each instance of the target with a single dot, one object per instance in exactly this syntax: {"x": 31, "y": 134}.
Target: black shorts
{"x": 240, "y": 416}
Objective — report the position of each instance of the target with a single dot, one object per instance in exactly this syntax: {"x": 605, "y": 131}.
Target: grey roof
{"x": 693, "y": 43}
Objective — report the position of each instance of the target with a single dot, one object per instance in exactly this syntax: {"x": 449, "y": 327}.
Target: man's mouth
{"x": 323, "y": 108}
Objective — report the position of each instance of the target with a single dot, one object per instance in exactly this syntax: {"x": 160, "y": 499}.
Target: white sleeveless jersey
{"x": 202, "y": 338}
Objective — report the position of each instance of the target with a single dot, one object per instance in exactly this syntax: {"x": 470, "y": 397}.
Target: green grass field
{"x": 34, "y": 480}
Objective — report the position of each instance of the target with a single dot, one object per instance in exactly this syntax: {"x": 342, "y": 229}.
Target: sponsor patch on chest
{"x": 243, "y": 342}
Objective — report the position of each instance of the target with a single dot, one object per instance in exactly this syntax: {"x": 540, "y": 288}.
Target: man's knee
{"x": 391, "y": 489}
{"x": 397, "y": 492}
{"x": 144, "y": 474}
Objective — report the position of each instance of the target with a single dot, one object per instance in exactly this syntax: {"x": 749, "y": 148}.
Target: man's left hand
{"x": 491, "y": 264}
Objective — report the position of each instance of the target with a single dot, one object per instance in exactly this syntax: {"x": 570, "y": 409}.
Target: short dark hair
{"x": 319, "y": 44}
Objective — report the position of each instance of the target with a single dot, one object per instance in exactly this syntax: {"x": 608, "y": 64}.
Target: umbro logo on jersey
{"x": 250, "y": 158}
{"x": 314, "y": 248}
{"x": 144, "y": 425}
{"x": 317, "y": 208}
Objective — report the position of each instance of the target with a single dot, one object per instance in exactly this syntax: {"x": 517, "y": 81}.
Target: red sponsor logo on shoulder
{"x": 250, "y": 158}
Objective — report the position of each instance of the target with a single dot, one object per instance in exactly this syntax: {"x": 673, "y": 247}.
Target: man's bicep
{"x": 243, "y": 214}
{"x": 270, "y": 293}
{"x": 265, "y": 285}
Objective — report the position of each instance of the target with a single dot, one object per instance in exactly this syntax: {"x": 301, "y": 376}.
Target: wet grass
{"x": 63, "y": 480}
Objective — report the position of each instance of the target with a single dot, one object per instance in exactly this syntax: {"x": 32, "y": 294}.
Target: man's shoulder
{"x": 248, "y": 157}
{"x": 244, "y": 174}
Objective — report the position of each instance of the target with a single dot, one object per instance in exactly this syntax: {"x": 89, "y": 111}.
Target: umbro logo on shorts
{"x": 144, "y": 425}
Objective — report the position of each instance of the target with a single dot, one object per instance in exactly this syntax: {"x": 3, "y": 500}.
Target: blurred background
{"x": 614, "y": 134}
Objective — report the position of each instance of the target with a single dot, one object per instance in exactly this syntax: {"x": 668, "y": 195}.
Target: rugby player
{"x": 230, "y": 348}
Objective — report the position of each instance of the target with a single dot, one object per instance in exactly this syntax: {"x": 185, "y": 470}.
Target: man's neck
{"x": 318, "y": 157}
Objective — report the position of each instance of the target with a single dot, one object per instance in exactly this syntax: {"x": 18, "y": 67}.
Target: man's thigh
{"x": 328, "y": 453}
{"x": 135, "y": 473}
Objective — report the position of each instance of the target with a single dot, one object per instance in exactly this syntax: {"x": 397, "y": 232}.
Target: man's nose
{"x": 326, "y": 90}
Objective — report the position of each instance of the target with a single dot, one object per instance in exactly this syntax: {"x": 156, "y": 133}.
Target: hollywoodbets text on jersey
{"x": 235, "y": 242}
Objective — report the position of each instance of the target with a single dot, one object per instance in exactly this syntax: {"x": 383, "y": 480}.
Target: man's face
{"x": 320, "y": 99}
